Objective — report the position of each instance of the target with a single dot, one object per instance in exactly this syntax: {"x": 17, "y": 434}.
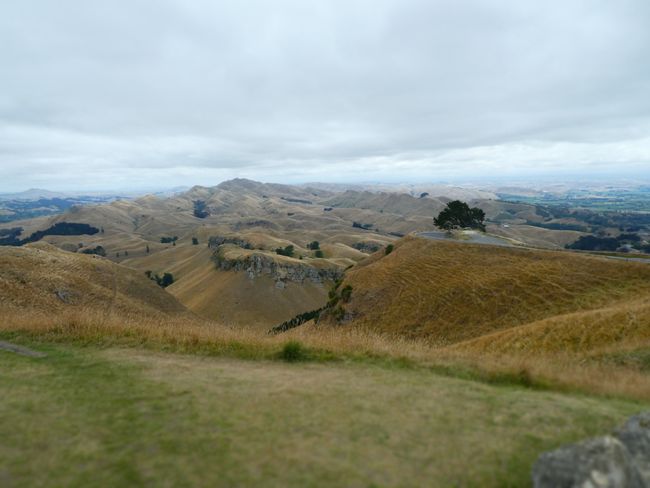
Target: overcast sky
{"x": 133, "y": 93}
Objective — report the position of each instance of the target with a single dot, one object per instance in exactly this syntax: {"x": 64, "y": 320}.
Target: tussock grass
{"x": 446, "y": 293}
{"x": 591, "y": 373}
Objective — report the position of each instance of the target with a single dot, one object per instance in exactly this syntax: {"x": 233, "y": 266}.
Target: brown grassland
{"x": 567, "y": 322}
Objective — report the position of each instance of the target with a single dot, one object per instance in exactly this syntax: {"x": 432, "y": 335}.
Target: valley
{"x": 295, "y": 305}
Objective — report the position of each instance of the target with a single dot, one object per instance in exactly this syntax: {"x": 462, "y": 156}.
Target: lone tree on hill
{"x": 459, "y": 215}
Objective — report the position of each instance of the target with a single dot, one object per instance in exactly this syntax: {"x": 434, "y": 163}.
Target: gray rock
{"x": 260, "y": 264}
{"x": 595, "y": 463}
{"x": 216, "y": 241}
{"x": 64, "y": 295}
{"x": 635, "y": 436}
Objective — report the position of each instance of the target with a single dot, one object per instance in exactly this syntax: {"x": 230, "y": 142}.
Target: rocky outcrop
{"x": 619, "y": 460}
{"x": 259, "y": 264}
{"x": 215, "y": 241}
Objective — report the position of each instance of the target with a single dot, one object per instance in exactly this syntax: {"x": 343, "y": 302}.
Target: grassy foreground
{"x": 116, "y": 416}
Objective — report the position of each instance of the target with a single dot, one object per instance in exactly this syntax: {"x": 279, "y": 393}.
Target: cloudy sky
{"x": 135, "y": 93}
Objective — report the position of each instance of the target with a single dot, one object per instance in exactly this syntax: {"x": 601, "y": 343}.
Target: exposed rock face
{"x": 259, "y": 264}
{"x": 215, "y": 241}
{"x": 621, "y": 460}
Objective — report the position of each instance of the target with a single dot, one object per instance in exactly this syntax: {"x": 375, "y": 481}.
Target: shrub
{"x": 313, "y": 245}
{"x": 346, "y": 293}
{"x": 359, "y": 225}
{"x": 163, "y": 281}
{"x": 168, "y": 240}
{"x": 319, "y": 254}
{"x": 296, "y": 321}
{"x": 166, "y": 280}
{"x": 338, "y": 313}
{"x": 195, "y": 241}
{"x": 200, "y": 209}
{"x": 98, "y": 250}
{"x": 292, "y": 352}
{"x": 594, "y": 243}
{"x": 389, "y": 249}
{"x": 286, "y": 251}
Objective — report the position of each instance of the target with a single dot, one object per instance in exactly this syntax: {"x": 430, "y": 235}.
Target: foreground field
{"x": 86, "y": 415}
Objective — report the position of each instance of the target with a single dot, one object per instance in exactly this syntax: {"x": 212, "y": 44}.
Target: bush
{"x": 313, "y": 245}
{"x": 195, "y": 241}
{"x": 292, "y": 352}
{"x": 168, "y": 240}
{"x": 359, "y": 225}
{"x": 319, "y": 254}
{"x": 200, "y": 209}
{"x": 98, "y": 250}
{"x": 166, "y": 280}
{"x": 346, "y": 293}
{"x": 296, "y": 321}
{"x": 594, "y": 243}
{"x": 389, "y": 249}
{"x": 163, "y": 281}
{"x": 286, "y": 251}
{"x": 338, "y": 313}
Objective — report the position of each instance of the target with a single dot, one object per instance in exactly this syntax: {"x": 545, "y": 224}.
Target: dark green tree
{"x": 195, "y": 241}
{"x": 166, "y": 280}
{"x": 459, "y": 215}
{"x": 201, "y": 209}
{"x": 286, "y": 251}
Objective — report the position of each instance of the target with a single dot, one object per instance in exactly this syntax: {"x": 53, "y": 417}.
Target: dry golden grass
{"x": 115, "y": 305}
{"x": 624, "y": 324}
{"x": 570, "y": 372}
{"x": 446, "y": 293}
{"x": 40, "y": 277}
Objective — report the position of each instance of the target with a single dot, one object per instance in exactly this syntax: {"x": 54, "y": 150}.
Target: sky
{"x": 163, "y": 93}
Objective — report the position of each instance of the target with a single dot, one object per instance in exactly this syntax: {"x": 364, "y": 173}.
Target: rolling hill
{"x": 501, "y": 299}
{"x": 41, "y": 279}
{"x": 349, "y": 225}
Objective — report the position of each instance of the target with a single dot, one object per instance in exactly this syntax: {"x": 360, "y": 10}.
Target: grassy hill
{"x": 446, "y": 293}
{"x": 232, "y": 297}
{"x": 40, "y": 279}
{"x": 349, "y": 225}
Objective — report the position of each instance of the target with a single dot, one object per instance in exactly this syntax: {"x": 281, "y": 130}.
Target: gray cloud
{"x": 184, "y": 92}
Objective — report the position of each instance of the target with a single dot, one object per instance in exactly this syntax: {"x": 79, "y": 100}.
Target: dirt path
{"x": 469, "y": 238}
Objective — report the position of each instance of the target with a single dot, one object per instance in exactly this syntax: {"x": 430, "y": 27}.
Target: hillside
{"x": 239, "y": 294}
{"x": 348, "y": 226}
{"x": 446, "y": 293}
{"x": 41, "y": 279}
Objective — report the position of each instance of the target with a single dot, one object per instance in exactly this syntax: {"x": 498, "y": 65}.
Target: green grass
{"x": 115, "y": 416}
